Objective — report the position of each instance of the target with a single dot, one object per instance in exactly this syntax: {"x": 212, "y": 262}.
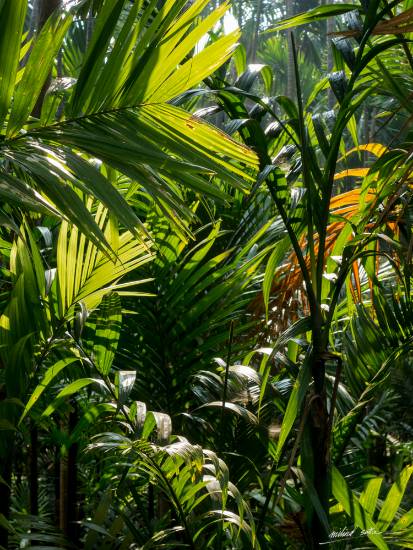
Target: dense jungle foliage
{"x": 206, "y": 312}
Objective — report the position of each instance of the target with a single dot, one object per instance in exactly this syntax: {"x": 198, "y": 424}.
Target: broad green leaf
{"x": 316, "y": 14}
{"x": 393, "y": 500}
{"x": 15, "y": 191}
{"x": 68, "y": 270}
{"x": 105, "y": 92}
{"x": 149, "y": 425}
{"x": 124, "y": 381}
{"x": 234, "y": 407}
{"x": 100, "y": 187}
{"x": 12, "y": 17}
{"x": 240, "y": 59}
{"x": 195, "y": 69}
{"x": 37, "y": 69}
{"x": 70, "y": 389}
{"x": 404, "y": 522}
{"x": 368, "y": 498}
{"x": 270, "y": 269}
{"x": 250, "y": 74}
{"x": 50, "y": 374}
{"x": 352, "y": 127}
{"x": 108, "y": 325}
{"x": 361, "y": 518}
{"x": 86, "y": 274}
{"x": 104, "y": 27}
{"x": 203, "y": 139}
{"x": 167, "y": 59}
{"x": 160, "y": 144}
{"x": 163, "y": 425}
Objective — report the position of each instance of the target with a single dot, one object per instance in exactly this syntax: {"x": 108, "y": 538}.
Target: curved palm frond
{"x": 118, "y": 110}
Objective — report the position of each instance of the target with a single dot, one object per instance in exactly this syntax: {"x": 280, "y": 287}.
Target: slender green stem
{"x": 310, "y": 195}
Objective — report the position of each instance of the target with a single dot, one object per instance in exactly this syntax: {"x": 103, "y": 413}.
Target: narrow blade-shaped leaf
{"x": 12, "y": 17}
{"x": 394, "y": 498}
{"x": 37, "y": 69}
{"x": 50, "y": 374}
{"x": 317, "y": 14}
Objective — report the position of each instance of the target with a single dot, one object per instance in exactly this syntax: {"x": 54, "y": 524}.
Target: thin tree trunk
{"x": 5, "y": 473}
{"x": 33, "y": 470}
{"x": 72, "y": 526}
{"x": 254, "y": 43}
{"x": 45, "y": 8}
{"x": 56, "y": 479}
{"x": 63, "y": 494}
{"x": 6, "y": 461}
{"x": 68, "y": 483}
{"x": 318, "y": 427}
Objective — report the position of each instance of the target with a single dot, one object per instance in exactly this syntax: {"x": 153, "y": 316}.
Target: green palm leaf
{"x": 117, "y": 111}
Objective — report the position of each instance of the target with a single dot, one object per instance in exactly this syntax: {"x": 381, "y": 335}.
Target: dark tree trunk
{"x": 45, "y": 8}
{"x": 72, "y": 512}
{"x": 33, "y": 470}
{"x": 254, "y": 44}
{"x": 6, "y": 461}
{"x": 5, "y": 472}
{"x": 318, "y": 427}
{"x": 63, "y": 494}
{"x": 68, "y": 486}
{"x": 56, "y": 479}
